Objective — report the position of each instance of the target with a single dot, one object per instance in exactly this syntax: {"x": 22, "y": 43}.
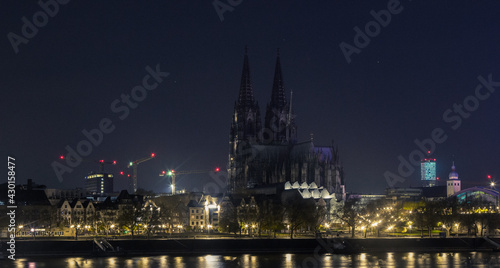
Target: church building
{"x": 270, "y": 154}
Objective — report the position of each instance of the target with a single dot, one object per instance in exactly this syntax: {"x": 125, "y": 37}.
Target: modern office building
{"x": 99, "y": 183}
{"x": 428, "y": 172}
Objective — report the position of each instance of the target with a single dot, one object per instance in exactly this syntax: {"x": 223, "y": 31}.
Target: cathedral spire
{"x": 278, "y": 100}
{"x": 246, "y": 92}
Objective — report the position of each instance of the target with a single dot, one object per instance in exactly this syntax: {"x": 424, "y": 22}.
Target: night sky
{"x": 397, "y": 89}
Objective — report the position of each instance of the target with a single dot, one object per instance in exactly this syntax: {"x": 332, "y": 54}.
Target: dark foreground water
{"x": 406, "y": 259}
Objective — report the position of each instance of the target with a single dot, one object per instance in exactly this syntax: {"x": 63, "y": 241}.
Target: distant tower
{"x": 279, "y": 123}
{"x": 428, "y": 172}
{"x": 453, "y": 183}
{"x": 245, "y": 129}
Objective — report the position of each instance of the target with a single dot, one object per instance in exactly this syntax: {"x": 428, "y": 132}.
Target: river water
{"x": 389, "y": 259}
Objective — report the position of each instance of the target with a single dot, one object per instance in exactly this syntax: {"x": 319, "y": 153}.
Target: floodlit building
{"x": 428, "y": 172}
{"x": 453, "y": 183}
{"x": 204, "y": 213}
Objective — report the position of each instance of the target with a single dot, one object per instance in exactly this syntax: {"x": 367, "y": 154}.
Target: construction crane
{"x": 174, "y": 173}
{"x": 134, "y": 165}
{"x": 100, "y": 162}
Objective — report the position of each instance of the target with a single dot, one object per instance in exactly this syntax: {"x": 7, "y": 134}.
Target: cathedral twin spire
{"x": 280, "y": 128}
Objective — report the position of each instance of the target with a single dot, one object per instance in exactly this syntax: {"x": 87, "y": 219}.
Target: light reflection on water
{"x": 361, "y": 260}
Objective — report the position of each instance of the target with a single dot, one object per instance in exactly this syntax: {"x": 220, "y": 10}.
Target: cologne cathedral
{"x": 270, "y": 154}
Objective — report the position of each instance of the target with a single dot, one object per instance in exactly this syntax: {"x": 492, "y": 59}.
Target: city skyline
{"x": 405, "y": 83}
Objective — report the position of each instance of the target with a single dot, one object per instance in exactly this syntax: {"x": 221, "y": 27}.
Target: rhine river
{"x": 389, "y": 259}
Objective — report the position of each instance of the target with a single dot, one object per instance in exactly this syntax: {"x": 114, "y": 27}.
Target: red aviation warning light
{"x": 489, "y": 177}
{"x": 101, "y": 161}
{"x": 114, "y": 162}
{"x": 61, "y": 157}
{"x": 152, "y": 154}
{"x": 121, "y": 172}
{"x": 217, "y": 169}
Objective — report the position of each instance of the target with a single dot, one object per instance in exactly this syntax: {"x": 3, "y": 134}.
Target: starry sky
{"x": 407, "y": 77}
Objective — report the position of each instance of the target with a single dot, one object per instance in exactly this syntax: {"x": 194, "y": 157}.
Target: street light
{"x": 76, "y": 230}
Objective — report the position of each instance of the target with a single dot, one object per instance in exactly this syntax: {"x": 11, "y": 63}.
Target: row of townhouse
{"x": 76, "y": 211}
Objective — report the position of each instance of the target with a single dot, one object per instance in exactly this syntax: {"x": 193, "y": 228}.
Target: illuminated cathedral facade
{"x": 269, "y": 153}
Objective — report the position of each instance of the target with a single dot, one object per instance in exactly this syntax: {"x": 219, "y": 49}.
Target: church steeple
{"x": 279, "y": 117}
{"x": 278, "y": 99}
{"x": 246, "y": 93}
{"x": 453, "y": 183}
{"x": 245, "y": 129}
{"x": 453, "y": 174}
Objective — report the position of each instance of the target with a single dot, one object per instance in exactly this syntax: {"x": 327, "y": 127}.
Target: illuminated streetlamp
{"x": 76, "y": 230}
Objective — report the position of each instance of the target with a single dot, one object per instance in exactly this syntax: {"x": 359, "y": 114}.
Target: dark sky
{"x": 426, "y": 59}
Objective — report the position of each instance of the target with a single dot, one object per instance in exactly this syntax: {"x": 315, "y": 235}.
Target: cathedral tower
{"x": 245, "y": 130}
{"x": 279, "y": 123}
{"x": 270, "y": 155}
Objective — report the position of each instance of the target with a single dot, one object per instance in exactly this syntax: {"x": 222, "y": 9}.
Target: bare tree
{"x": 349, "y": 213}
